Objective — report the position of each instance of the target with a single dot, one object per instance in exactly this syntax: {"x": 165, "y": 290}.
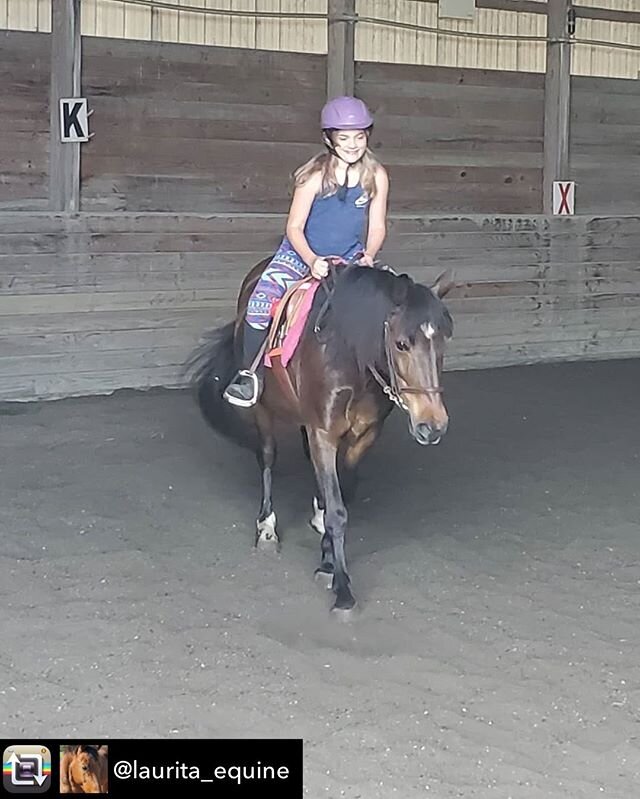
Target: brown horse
{"x": 84, "y": 769}
{"x": 374, "y": 339}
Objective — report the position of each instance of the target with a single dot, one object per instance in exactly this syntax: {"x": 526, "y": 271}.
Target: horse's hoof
{"x": 314, "y": 528}
{"x": 266, "y": 536}
{"x": 344, "y": 615}
{"x": 268, "y": 545}
{"x": 324, "y": 579}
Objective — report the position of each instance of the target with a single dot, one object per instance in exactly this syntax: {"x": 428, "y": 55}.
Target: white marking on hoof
{"x": 267, "y": 535}
{"x": 317, "y": 522}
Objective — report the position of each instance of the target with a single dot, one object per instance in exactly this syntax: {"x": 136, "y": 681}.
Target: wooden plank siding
{"x": 471, "y": 141}
{"x": 25, "y": 71}
{"x": 182, "y": 128}
{"x": 605, "y": 145}
{"x": 186, "y": 128}
{"x": 460, "y": 141}
{"x": 97, "y": 302}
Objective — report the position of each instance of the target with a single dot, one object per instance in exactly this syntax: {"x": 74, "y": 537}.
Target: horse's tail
{"x": 209, "y": 370}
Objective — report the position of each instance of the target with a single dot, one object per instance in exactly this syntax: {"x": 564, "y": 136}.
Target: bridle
{"x": 392, "y": 388}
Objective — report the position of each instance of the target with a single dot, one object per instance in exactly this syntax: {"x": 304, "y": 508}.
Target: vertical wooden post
{"x": 155, "y": 24}
{"x": 557, "y": 100}
{"x": 64, "y": 157}
{"x": 341, "y": 48}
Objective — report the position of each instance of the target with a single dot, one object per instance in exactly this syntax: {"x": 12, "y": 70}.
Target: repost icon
{"x": 26, "y": 769}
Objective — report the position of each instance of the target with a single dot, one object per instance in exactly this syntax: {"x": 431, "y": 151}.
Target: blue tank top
{"x": 336, "y": 226}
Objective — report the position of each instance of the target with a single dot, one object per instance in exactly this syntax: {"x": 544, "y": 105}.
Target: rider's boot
{"x": 246, "y": 387}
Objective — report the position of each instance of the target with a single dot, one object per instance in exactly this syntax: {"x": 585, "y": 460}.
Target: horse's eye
{"x": 402, "y": 345}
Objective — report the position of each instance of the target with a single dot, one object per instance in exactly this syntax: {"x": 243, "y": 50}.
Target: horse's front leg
{"x": 266, "y": 534}
{"x": 324, "y": 457}
{"x": 357, "y": 446}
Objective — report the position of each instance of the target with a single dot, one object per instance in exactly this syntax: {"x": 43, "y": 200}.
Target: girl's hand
{"x": 320, "y": 268}
{"x": 366, "y": 260}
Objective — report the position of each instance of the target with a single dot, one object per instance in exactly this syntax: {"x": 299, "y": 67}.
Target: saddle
{"x": 289, "y": 315}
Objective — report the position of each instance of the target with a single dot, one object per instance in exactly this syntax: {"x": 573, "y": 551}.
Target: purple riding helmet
{"x": 345, "y": 113}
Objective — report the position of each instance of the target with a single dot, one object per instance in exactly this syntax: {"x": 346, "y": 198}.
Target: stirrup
{"x": 244, "y": 403}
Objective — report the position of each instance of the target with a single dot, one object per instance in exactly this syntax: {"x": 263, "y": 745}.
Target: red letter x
{"x": 564, "y": 198}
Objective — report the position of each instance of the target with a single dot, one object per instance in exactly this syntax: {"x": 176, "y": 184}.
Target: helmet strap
{"x": 326, "y": 138}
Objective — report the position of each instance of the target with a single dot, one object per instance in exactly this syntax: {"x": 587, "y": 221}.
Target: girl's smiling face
{"x": 350, "y": 144}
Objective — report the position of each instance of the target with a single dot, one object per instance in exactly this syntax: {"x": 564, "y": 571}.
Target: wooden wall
{"x": 531, "y": 289}
{"x": 185, "y": 186}
{"x": 458, "y": 140}
{"x": 605, "y": 145}
{"x": 187, "y": 128}
{"x": 471, "y": 141}
{"x": 93, "y": 303}
{"x": 24, "y": 120}
{"x": 217, "y": 129}
{"x": 105, "y": 301}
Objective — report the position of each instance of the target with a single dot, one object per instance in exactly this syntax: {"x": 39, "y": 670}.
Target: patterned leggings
{"x": 286, "y": 267}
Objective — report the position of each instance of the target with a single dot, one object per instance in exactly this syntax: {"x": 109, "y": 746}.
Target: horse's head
{"x": 416, "y": 332}
{"x": 395, "y": 329}
{"x": 87, "y": 771}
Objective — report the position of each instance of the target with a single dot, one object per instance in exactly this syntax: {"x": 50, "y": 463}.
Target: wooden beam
{"x": 525, "y": 6}
{"x": 540, "y": 7}
{"x": 608, "y": 14}
{"x": 557, "y": 99}
{"x": 583, "y": 12}
{"x": 341, "y": 48}
{"x": 64, "y": 157}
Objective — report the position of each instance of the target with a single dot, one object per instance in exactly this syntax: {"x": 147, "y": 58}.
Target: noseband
{"x": 392, "y": 388}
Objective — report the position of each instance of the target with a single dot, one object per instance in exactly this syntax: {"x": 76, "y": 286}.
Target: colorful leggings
{"x": 286, "y": 267}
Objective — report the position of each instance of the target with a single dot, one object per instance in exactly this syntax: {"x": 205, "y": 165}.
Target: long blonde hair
{"x": 327, "y": 163}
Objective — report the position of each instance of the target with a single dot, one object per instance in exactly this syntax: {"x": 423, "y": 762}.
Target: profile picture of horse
{"x": 84, "y": 768}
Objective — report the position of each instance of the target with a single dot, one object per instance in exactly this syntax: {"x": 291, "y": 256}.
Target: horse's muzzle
{"x": 426, "y": 434}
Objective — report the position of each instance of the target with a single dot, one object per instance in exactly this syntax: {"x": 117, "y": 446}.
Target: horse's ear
{"x": 444, "y": 283}
{"x": 400, "y": 288}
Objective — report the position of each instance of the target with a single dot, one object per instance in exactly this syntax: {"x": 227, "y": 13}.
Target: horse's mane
{"x": 361, "y": 302}
{"x": 91, "y": 749}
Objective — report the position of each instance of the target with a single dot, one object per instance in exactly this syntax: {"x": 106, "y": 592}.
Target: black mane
{"x": 363, "y": 299}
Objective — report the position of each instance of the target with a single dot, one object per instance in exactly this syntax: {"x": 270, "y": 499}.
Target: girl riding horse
{"x": 337, "y": 194}
{"x": 373, "y": 340}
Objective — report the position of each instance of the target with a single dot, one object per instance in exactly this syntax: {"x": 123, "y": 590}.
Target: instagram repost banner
{"x": 241, "y": 768}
